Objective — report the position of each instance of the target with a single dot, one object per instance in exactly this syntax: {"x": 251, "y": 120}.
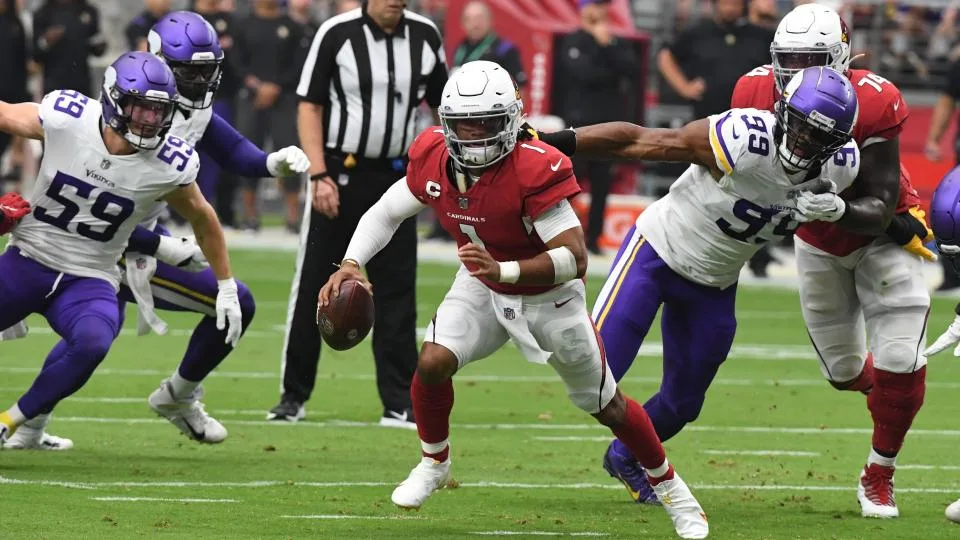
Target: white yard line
{"x": 929, "y": 467}
{"x": 530, "y": 426}
{"x": 161, "y": 499}
{"x": 478, "y": 485}
{"x": 537, "y": 533}
{"x": 347, "y": 516}
{"x": 787, "y": 453}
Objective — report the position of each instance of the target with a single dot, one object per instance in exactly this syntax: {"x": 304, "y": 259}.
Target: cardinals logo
{"x": 844, "y": 32}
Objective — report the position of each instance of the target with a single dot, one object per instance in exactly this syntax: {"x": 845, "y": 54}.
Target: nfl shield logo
{"x": 105, "y": 164}
{"x": 509, "y": 314}
{"x": 463, "y": 202}
{"x": 141, "y": 263}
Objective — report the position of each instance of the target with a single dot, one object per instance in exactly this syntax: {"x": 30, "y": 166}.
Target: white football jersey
{"x": 706, "y": 229}
{"x": 189, "y": 125}
{"x": 87, "y": 201}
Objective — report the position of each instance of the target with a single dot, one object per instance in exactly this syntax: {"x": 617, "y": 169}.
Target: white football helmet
{"x": 480, "y": 112}
{"x": 810, "y": 35}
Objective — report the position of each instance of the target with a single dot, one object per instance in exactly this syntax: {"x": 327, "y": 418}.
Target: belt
{"x": 353, "y": 161}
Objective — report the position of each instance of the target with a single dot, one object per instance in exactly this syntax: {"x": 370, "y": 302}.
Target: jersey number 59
{"x": 112, "y": 209}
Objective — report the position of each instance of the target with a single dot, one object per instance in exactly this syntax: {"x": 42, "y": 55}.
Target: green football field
{"x": 775, "y": 454}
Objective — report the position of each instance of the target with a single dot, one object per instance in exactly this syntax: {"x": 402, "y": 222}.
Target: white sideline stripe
{"x": 484, "y": 485}
{"x": 108, "y": 399}
{"x": 544, "y": 426}
{"x": 929, "y": 467}
{"x": 161, "y": 499}
{"x": 536, "y": 533}
{"x": 346, "y": 516}
{"x": 788, "y": 453}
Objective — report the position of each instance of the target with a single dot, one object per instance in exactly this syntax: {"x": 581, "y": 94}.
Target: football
{"x": 348, "y": 318}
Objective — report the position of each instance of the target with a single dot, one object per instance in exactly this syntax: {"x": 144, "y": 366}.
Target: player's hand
{"x": 948, "y": 338}
{"x": 909, "y": 229}
{"x": 820, "y": 207}
{"x": 932, "y": 151}
{"x": 694, "y": 89}
{"x": 326, "y": 197}
{"x": 348, "y": 270}
{"x": 229, "y": 316}
{"x": 184, "y": 253}
{"x": 13, "y": 208}
{"x": 479, "y": 262}
{"x": 289, "y": 161}
{"x": 267, "y": 95}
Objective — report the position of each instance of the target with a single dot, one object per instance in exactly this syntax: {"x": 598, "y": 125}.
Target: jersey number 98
{"x": 112, "y": 209}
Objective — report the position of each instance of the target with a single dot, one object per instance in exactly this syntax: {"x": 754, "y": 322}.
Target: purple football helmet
{"x": 945, "y": 217}
{"x": 138, "y": 98}
{"x": 191, "y": 48}
{"x": 815, "y": 117}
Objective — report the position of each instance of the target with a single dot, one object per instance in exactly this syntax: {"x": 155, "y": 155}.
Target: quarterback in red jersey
{"x": 524, "y": 256}
{"x": 855, "y": 280}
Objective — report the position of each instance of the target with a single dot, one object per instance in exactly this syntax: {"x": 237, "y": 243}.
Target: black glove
{"x": 527, "y": 133}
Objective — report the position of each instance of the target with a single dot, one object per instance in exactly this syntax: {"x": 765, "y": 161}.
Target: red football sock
{"x": 432, "y": 404}
{"x": 894, "y": 402}
{"x": 863, "y": 383}
{"x": 638, "y": 435}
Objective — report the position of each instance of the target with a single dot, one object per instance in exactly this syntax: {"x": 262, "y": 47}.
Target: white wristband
{"x": 509, "y": 272}
{"x": 564, "y": 264}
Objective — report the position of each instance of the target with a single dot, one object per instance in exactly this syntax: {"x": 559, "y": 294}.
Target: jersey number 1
{"x": 110, "y": 208}
{"x": 471, "y": 233}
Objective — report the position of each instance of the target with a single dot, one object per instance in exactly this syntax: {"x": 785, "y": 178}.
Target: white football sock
{"x": 182, "y": 387}
{"x": 38, "y": 422}
{"x": 659, "y": 471}
{"x": 874, "y": 457}
{"x": 434, "y": 448}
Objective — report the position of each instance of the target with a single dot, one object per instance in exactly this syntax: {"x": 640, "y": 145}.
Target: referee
{"x": 366, "y": 74}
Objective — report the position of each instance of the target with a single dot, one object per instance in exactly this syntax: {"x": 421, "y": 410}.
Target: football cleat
{"x": 398, "y": 419}
{"x": 626, "y": 469}
{"x": 187, "y": 414}
{"x": 689, "y": 519}
{"x": 5, "y": 433}
{"x": 428, "y": 476}
{"x": 875, "y": 492}
{"x": 953, "y": 511}
{"x": 287, "y": 411}
{"x": 36, "y": 439}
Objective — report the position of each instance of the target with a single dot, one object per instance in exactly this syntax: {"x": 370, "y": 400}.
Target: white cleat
{"x": 688, "y": 517}
{"x": 36, "y": 439}
{"x": 4, "y": 435}
{"x": 424, "y": 479}
{"x": 875, "y": 492}
{"x": 953, "y": 511}
{"x": 187, "y": 414}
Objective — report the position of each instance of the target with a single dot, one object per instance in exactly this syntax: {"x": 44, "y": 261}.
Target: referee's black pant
{"x": 392, "y": 272}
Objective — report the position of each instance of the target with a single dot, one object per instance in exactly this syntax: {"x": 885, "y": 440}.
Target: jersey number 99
{"x": 112, "y": 209}
{"x": 755, "y": 217}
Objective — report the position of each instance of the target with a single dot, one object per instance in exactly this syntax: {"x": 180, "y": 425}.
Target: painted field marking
{"x": 161, "y": 499}
{"x": 347, "y": 516}
{"x": 787, "y": 453}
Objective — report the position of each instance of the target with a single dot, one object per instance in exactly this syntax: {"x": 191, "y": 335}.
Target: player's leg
{"x": 178, "y": 397}
{"x": 832, "y": 313}
{"x": 84, "y": 312}
{"x": 463, "y": 330}
{"x": 578, "y": 357}
{"x": 896, "y": 303}
{"x": 393, "y": 275}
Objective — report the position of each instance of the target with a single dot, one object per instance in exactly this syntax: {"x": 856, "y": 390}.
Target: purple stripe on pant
{"x": 697, "y": 325}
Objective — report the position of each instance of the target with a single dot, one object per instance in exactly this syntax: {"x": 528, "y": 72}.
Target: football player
{"x": 523, "y": 255}
{"x": 861, "y": 275}
{"x": 190, "y": 46}
{"x": 106, "y": 164}
{"x": 755, "y": 175}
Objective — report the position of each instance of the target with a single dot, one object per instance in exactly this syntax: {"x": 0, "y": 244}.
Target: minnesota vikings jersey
{"x": 189, "y": 125}
{"x": 706, "y": 229}
{"x": 87, "y": 201}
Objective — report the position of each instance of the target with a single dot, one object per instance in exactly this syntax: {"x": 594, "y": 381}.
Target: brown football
{"x": 348, "y": 318}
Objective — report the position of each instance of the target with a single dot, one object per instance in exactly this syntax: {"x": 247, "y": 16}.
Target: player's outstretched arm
{"x": 564, "y": 260}
{"x": 373, "y": 233}
{"x": 21, "y": 119}
{"x": 878, "y": 186}
{"x": 239, "y": 155}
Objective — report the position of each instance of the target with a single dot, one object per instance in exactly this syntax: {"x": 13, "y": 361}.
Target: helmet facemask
{"x": 806, "y": 141}
{"x": 478, "y": 140}
{"x": 788, "y": 61}
{"x": 197, "y": 81}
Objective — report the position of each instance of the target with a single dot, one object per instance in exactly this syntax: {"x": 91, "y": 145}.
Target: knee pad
{"x": 861, "y": 383}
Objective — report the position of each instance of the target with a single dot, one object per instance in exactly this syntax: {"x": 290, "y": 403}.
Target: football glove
{"x": 948, "y": 338}
{"x": 909, "y": 229}
{"x": 229, "y": 316}
{"x": 183, "y": 253}
{"x": 13, "y": 208}
{"x": 289, "y": 161}
{"x": 819, "y": 207}
{"x": 527, "y": 133}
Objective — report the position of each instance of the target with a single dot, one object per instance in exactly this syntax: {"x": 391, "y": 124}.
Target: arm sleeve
{"x": 233, "y": 151}
{"x": 144, "y": 241}
{"x": 558, "y": 219}
{"x": 319, "y": 65}
{"x": 380, "y": 222}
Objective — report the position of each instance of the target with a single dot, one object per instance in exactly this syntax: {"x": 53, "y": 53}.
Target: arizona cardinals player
{"x": 855, "y": 280}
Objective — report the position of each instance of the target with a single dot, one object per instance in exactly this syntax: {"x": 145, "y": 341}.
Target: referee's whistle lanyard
{"x": 461, "y": 57}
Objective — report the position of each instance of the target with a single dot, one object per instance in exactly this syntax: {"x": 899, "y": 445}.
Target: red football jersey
{"x": 498, "y": 210}
{"x": 881, "y": 117}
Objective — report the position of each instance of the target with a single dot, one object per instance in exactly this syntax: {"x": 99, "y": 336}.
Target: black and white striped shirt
{"x": 370, "y": 82}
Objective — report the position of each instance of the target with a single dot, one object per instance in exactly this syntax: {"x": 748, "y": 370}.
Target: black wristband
{"x": 564, "y": 141}
{"x": 320, "y": 176}
{"x": 903, "y": 227}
